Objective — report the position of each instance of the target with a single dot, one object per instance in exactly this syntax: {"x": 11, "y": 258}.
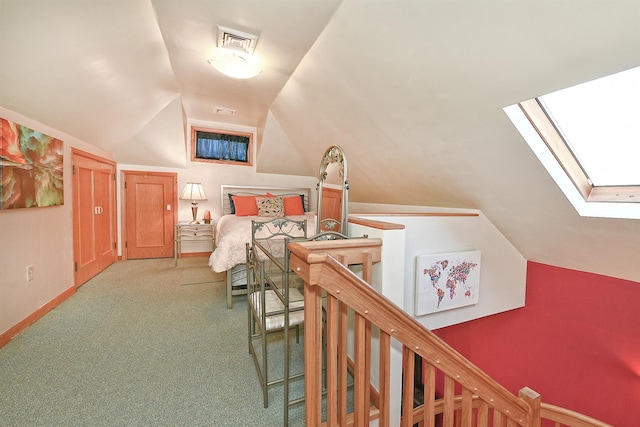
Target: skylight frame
{"x": 546, "y": 129}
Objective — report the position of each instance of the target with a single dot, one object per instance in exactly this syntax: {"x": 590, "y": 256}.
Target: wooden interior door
{"x": 94, "y": 215}
{"x": 105, "y": 190}
{"x": 150, "y": 200}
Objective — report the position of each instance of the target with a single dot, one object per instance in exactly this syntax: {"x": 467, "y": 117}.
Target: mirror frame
{"x": 333, "y": 155}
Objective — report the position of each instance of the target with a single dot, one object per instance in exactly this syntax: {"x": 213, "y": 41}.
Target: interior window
{"x": 217, "y": 146}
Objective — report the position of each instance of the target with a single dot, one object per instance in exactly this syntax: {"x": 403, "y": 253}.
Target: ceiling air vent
{"x": 236, "y": 40}
{"x": 224, "y": 111}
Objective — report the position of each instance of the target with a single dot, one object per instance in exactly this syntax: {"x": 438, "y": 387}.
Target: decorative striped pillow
{"x": 272, "y": 207}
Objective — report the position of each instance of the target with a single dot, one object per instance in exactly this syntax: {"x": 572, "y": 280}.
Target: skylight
{"x": 600, "y": 122}
{"x": 588, "y": 138}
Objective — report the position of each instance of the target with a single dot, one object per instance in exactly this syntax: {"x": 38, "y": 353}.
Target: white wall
{"x": 502, "y": 273}
{"x": 43, "y": 237}
{"x": 212, "y": 176}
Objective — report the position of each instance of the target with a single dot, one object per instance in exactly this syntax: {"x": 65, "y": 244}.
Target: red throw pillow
{"x": 293, "y": 206}
{"x": 245, "y": 205}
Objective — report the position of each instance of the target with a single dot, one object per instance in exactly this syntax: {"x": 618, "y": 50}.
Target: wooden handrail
{"x": 561, "y": 416}
{"x": 566, "y": 417}
{"x": 354, "y": 311}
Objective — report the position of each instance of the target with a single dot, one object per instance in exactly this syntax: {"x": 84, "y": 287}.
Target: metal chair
{"x": 273, "y": 305}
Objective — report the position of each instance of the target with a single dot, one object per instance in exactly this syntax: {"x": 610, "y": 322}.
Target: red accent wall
{"x": 576, "y": 342}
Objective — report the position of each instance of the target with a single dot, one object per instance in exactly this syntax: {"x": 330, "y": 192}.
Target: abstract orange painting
{"x": 31, "y": 168}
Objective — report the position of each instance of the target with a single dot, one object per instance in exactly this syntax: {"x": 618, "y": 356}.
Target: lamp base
{"x": 194, "y": 212}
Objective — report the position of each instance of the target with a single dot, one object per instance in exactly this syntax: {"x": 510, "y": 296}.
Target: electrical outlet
{"x": 29, "y": 273}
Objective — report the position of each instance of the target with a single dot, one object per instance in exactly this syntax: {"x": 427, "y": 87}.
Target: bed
{"x": 233, "y": 229}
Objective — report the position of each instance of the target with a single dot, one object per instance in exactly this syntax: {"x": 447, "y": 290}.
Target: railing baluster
{"x": 466, "y": 418}
{"x": 342, "y": 365}
{"x": 384, "y": 379}
{"x": 429, "y": 394}
{"x": 332, "y": 359}
{"x": 367, "y": 372}
{"x": 367, "y": 268}
{"x": 408, "y": 370}
{"x": 449, "y": 389}
{"x": 483, "y": 414}
{"x": 359, "y": 379}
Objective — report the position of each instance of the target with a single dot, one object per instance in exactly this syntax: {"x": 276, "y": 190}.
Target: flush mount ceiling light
{"x": 234, "y": 54}
{"x": 235, "y": 64}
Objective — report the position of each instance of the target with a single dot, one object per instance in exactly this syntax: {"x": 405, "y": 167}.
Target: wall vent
{"x": 236, "y": 40}
{"x": 224, "y": 111}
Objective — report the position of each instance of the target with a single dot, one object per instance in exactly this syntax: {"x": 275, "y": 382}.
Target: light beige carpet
{"x": 143, "y": 343}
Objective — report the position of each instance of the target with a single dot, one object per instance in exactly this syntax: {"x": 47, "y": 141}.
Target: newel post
{"x": 309, "y": 272}
{"x": 532, "y": 399}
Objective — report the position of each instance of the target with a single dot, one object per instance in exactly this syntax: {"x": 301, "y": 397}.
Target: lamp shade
{"x": 235, "y": 64}
{"x": 193, "y": 191}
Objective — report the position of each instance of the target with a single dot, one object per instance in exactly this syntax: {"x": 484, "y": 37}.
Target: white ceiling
{"x": 412, "y": 90}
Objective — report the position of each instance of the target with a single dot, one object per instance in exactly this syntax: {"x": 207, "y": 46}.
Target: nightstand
{"x": 190, "y": 232}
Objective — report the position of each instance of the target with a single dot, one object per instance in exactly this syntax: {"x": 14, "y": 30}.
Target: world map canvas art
{"x": 447, "y": 281}
{"x": 31, "y": 168}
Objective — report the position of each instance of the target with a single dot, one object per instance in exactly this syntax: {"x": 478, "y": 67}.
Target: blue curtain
{"x": 222, "y": 147}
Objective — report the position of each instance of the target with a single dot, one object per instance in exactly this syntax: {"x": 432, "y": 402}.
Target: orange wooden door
{"x": 105, "y": 186}
{"x": 150, "y": 214}
{"x": 94, "y": 215}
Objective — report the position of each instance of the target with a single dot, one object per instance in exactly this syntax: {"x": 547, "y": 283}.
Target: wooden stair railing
{"x": 564, "y": 417}
{"x": 455, "y": 392}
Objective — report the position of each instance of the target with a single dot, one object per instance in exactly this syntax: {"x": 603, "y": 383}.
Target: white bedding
{"x": 234, "y": 232}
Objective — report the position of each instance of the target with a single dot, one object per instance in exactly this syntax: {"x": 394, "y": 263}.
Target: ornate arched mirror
{"x": 333, "y": 190}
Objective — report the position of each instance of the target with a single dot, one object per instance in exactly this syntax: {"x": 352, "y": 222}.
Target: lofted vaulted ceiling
{"x": 412, "y": 90}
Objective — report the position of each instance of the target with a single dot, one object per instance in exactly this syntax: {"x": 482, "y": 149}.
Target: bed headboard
{"x": 225, "y": 190}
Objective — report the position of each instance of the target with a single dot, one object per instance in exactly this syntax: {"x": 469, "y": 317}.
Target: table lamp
{"x": 193, "y": 191}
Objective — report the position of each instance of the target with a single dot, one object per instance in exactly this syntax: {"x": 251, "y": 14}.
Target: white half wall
{"x": 503, "y": 268}
{"x": 502, "y": 275}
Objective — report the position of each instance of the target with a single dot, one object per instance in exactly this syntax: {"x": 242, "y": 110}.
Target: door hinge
{"x": 76, "y": 266}
{"x": 74, "y": 169}
{"x": 126, "y": 244}
{"x": 115, "y": 245}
